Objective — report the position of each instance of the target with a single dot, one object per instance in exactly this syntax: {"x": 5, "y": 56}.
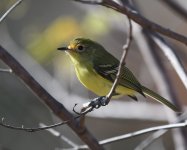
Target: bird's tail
{"x": 159, "y": 98}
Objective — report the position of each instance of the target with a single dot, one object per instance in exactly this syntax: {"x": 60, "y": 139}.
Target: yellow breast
{"x": 96, "y": 83}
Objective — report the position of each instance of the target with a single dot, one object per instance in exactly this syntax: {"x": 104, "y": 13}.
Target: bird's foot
{"x": 95, "y": 103}
{"x": 98, "y": 102}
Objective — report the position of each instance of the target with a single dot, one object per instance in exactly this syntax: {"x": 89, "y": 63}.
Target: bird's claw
{"x": 98, "y": 102}
{"x": 83, "y": 111}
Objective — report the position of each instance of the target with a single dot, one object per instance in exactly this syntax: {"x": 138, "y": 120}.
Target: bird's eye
{"x": 80, "y": 48}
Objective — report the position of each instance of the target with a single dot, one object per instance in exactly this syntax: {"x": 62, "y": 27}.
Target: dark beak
{"x": 63, "y": 48}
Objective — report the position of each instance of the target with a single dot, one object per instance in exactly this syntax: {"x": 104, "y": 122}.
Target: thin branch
{"x": 137, "y": 133}
{"x": 4, "y": 124}
{"x": 151, "y": 138}
{"x": 122, "y": 61}
{"x": 9, "y": 10}
{"x": 176, "y": 7}
{"x": 143, "y": 131}
{"x": 138, "y": 18}
{"x": 6, "y": 70}
{"x": 93, "y": 2}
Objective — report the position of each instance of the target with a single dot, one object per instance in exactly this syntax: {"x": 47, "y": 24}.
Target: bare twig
{"x": 9, "y": 10}
{"x": 144, "y": 131}
{"x": 176, "y": 7}
{"x": 93, "y": 2}
{"x": 122, "y": 61}
{"x": 135, "y": 16}
{"x": 6, "y": 70}
{"x": 151, "y": 138}
{"x": 4, "y": 124}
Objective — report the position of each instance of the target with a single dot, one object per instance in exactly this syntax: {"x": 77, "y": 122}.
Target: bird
{"x": 96, "y": 69}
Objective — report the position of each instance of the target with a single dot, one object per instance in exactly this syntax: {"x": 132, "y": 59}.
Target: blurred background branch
{"x": 136, "y": 17}
{"x": 172, "y": 56}
{"x": 161, "y": 76}
{"x": 173, "y": 5}
{"x": 126, "y": 136}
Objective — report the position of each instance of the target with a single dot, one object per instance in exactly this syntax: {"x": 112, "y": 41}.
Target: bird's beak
{"x": 63, "y": 48}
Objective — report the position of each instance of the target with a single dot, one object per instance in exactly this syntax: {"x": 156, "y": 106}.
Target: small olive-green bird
{"x": 96, "y": 69}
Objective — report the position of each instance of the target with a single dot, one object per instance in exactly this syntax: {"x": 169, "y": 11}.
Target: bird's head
{"x": 81, "y": 50}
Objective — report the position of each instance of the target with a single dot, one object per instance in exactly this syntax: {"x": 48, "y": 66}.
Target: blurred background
{"x": 33, "y": 32}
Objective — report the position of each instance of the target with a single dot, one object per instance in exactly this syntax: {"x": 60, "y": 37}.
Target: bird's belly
{"x": 97, "y": 84}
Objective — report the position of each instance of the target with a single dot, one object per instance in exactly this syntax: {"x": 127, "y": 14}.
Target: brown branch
{"x": 57, "y": 108}
{"x": 136, "y": 17}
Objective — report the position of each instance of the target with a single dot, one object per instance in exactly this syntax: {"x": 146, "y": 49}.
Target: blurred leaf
{"x": 43, "y": 45}
{"x": 97, "y": 22}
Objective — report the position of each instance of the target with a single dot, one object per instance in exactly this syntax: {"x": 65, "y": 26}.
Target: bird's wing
{"x": 127, "y": 79}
